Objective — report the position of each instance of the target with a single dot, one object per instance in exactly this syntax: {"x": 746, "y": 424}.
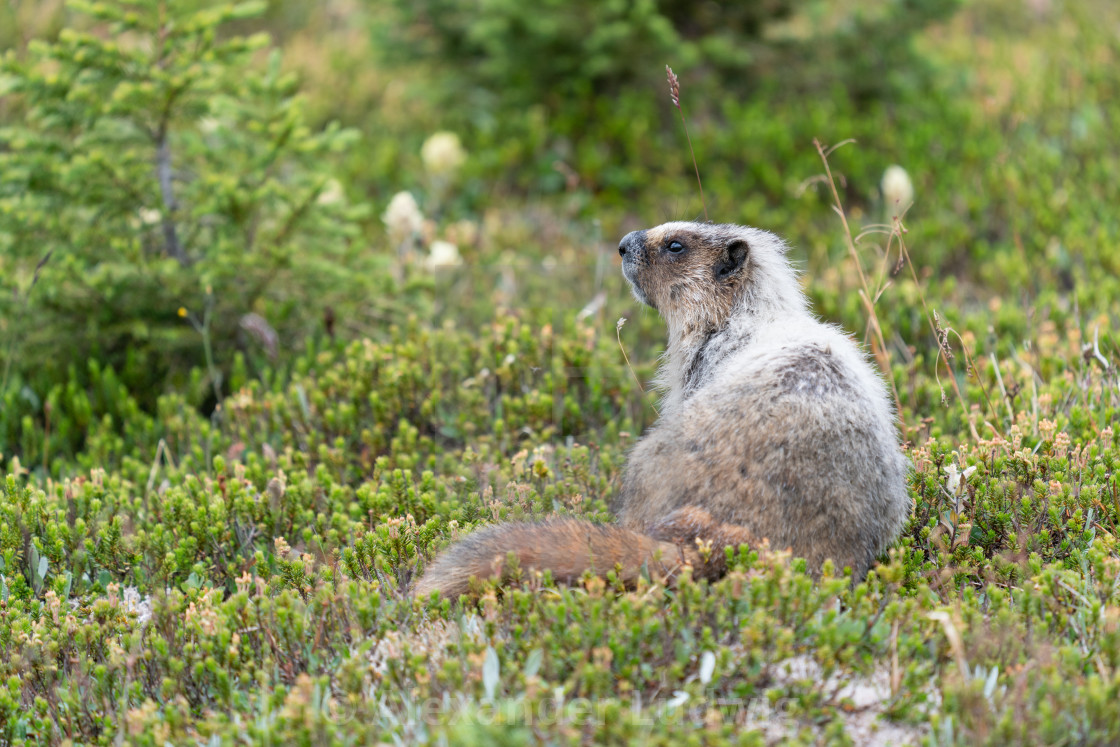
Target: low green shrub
{"x": 258, "y": 562}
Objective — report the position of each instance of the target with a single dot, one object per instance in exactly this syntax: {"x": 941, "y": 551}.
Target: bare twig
{"x": 625, "y": 357}
{"x": 167, "y": 215}
{"x": 896, "y": 231}
{"x": 163, "y": 155}
{"x": 1002, "y": 387}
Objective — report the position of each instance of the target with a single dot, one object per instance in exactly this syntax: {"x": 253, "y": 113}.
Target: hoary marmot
{"x": 773, "y": 425}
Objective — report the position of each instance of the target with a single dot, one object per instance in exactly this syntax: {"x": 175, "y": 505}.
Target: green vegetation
{"x": 210, "y": 518}
{"x": 95, "y": 190}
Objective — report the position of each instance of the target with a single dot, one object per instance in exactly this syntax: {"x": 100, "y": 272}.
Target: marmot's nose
{"x": 631, "y": 243}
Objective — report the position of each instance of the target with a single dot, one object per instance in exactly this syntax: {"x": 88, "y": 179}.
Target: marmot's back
{"x": 787, "y": 446}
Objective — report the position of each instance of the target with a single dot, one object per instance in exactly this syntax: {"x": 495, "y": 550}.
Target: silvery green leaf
{"x": 707, "y": 666}
{"x": 990, "y": 684}
{"x": 490, "y": 672}
{"x": 533, "y": 662}
{"x": 304, "y": 407}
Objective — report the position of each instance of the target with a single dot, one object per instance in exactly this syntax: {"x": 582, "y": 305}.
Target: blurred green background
{"x": 293, "y": 295}
{"x": 287, "y": 128}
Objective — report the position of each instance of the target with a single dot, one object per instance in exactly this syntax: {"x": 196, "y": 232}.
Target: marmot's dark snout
{"x": 632, "y": 244}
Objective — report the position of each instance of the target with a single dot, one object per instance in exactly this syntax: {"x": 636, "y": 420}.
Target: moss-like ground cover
{"x": 251, "y": 580}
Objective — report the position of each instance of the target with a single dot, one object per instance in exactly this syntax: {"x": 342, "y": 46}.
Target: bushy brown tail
{"x": 570, "y": 547}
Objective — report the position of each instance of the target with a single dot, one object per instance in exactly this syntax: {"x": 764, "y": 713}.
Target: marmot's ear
{"x": 733, "y": 259}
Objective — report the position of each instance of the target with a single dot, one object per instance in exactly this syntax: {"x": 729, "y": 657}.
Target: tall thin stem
{"x": 675, "y": 94}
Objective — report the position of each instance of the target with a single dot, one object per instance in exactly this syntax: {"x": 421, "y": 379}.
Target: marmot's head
{"x": 696, "y": 274}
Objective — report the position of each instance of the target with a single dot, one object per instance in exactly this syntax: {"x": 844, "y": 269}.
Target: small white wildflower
{"x": 403, "y": 217}
{"x": 442, "y": 153}
{"x": 149, "y": 216}
{"x": 142, "y": 607}
{"x": 898, "y": 190}
{"x": 332, "y": 193}
{"x": 953, "y": 475}
{"x": 952, "y": 478}
{"x": 443, "y": 254}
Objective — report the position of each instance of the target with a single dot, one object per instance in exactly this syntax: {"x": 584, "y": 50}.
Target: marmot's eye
{"x": 676, "y": 247}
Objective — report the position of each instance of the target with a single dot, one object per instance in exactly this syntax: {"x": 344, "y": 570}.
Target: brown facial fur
{"x": 696, "y": 285}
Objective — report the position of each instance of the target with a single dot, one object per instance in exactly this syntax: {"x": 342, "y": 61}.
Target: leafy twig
{"x": 15, "y": 327}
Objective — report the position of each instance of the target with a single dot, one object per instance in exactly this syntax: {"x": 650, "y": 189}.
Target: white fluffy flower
{"x": 403, "y": 217}
{"x": 898, "y": 190}
{"x": 442, "y": 153}
{"x": 332, "y": 193}
{"x": 443, "y": 254}
{"x": 953, "y": 476}
{"x": 133, "y": 602}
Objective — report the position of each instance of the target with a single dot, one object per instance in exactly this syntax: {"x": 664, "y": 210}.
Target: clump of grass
{"x": 869, "y": 297}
